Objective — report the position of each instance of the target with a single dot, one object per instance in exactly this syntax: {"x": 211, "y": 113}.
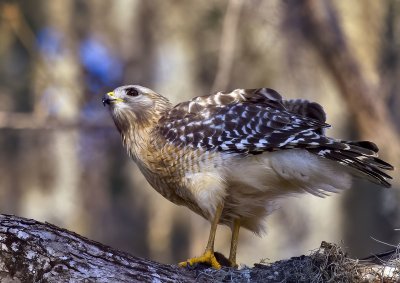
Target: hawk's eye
{"x": 132, "y": 92}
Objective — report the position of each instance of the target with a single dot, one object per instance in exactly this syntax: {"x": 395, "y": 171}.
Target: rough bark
{"x": 41, "y": 252}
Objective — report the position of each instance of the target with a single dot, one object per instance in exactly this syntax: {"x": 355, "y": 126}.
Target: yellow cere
{"x": 116, "y": 99}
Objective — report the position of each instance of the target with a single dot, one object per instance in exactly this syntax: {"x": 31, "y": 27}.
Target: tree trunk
{"x": 41, "y": 252}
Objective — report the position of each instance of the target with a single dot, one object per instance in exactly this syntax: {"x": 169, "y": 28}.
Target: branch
{"x": 35, "y": 252}
{"x": 41, "y": 252}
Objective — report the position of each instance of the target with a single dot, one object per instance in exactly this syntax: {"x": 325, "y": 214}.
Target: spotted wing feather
{"x": 242, "y": 121}
{"x": 307, "y": 109}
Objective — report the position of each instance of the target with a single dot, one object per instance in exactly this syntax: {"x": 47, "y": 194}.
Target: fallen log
{"x": 31, "y": 251}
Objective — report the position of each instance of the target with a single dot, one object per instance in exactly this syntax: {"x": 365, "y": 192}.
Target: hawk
{"x": 228, "y": 156}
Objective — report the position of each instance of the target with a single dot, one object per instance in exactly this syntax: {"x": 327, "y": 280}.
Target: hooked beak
{"x": 109, "y": 98}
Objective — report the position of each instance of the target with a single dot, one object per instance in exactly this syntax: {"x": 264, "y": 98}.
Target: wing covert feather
{"x": 250, "y": 121}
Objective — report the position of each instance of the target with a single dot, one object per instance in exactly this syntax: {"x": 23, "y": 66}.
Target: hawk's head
{"x": 135, "y": 106}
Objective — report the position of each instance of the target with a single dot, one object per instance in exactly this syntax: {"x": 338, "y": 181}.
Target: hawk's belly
{"x": 247, "y": 185}
{"x": 254, "y": 183}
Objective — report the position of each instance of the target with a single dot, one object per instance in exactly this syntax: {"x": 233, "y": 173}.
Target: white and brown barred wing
{"x": 242, "y": 121}
{"x": 253, "y": 121}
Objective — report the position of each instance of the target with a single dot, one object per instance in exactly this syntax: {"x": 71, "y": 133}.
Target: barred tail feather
{"x": 360, "y": 156}
{"x": 363, "y": 145}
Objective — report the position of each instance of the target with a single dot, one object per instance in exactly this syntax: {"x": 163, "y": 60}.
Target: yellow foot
{"x": 207, "y": 257}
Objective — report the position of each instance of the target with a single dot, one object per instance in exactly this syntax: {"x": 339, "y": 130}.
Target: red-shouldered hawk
{"x": 229, "y": 156}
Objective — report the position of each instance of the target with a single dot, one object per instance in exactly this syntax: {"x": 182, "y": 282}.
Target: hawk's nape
{"x": 229, "y": 156}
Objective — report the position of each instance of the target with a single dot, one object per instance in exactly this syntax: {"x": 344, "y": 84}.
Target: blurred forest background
{"x": 61, "y": 158}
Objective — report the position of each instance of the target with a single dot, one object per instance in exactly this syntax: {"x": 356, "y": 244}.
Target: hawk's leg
{"x": 234, "y": 242}
{"x": 208, "y": 256}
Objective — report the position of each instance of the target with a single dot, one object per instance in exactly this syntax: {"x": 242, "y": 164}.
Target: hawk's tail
{"x": 361, "y": 156}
